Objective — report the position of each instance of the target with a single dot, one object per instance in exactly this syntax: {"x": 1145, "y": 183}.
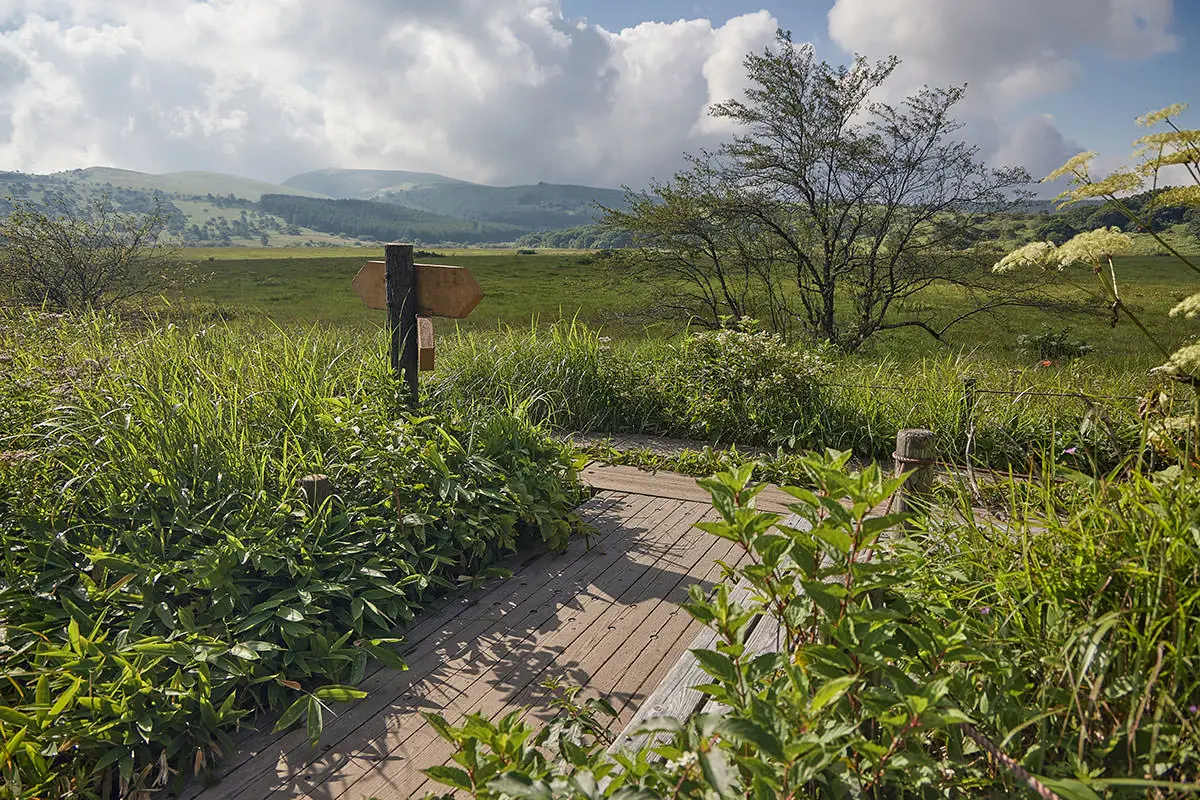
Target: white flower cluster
{"x": 684, "y": 761}
{"x": 1188, "y": 307}
{"x": 1090, "y": 247}
{"x": 1155, "y": 117}
{"x": 1184, "y": 361}
{"x": 1034, "y": 254}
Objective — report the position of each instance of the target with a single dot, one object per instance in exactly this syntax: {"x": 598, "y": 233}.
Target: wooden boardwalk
{"x": 605, "y": 614}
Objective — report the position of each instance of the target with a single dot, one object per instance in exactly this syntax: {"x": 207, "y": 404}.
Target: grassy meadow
{"x": 301, "y": 286}
{"x": 312, "y": 286}
{"x": 164, "y": 580}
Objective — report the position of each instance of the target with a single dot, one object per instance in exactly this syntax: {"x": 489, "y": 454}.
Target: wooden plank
{"x": 586, "y": 646}
{"x": 615, "y": 654}
{"x": 374, "y": 722}
{"x": 488, "y": 684}
{"x": 613, "y": 658}
{"x": 632, "y": 480}
{"x": 442, "y": 290}
{"x": 674, "y": 696}
{"x": 605, "y": 512}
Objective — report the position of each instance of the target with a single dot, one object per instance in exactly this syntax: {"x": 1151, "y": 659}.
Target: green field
{"x": 312, "y": 285}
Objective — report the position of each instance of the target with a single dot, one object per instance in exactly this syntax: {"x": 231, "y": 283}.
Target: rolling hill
{"x": 533, "y": 207}
{"x": 196, "y": 184}
{"x": 217, "y": 209}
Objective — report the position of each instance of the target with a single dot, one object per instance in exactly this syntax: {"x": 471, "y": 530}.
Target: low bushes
{"x": 745, "y": 386}
{"x": 734, "y": 384}
{"x": 1053, "y": 654}
{"x": 162, "y": 578}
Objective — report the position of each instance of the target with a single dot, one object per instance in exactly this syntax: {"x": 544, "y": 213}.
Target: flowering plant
{"x": 1176, "y": 147}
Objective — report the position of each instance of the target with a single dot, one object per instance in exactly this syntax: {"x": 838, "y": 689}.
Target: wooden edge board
{"x": 674, "y": 696}
{"x": 631, "y": 480}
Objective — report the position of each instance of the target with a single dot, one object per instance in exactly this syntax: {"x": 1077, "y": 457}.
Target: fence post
{"x": 316, "y": 490}
{"x": 401, "y": 280}
{"x": 915, "y": 452}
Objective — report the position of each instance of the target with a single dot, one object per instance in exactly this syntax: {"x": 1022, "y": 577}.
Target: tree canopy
{"x": 829, "y": 210}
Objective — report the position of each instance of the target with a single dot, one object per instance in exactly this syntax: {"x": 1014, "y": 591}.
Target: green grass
{"x": 162, "y": 577}
{"x": 314, "y": 287}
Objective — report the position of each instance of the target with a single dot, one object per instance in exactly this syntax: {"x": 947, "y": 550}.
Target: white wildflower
{"x": 1092, "y": 247}
{"x": 1077, "y": 165}
{"x": 684, "y": 761}
{"x": 1034, "y": 254}
{"x": 1180, "y": 196}
{"x": 1184, "y": 361}
{"x": 1189, "y": 307}
{"x": 1117, "y": 183}
{"x": 1155, "y": 117}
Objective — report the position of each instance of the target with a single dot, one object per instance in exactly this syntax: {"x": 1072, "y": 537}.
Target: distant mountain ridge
{"x": 218, "y": 209}
{"x": 532, "y": 207}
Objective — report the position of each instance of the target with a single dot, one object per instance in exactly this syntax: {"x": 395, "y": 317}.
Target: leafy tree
{"x": 71, "y": 257}
{"x": 828, "y": 211}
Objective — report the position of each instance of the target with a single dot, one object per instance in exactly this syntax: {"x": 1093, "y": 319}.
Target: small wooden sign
{"x": 425, "y": 344}
{"x": 442, "y": 291}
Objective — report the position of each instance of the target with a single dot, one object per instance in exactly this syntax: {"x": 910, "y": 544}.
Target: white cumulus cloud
{"x": 491, "y": 90}
{"x": 1009, "y": 53}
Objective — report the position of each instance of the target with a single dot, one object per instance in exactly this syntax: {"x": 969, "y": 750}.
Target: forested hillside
{"x": 364, "y": 219}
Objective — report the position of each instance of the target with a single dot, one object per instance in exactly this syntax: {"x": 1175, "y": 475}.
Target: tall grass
{"x": 162, "y": 576}
{"x": 748, "y": 389}
{"x": 1094, "y": 592}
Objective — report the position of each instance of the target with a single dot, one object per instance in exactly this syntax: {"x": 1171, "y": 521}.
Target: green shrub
{"x": 162, "y": 576}
{"x": 740, "y": 384}
{"x": 967, "y": 660}
{"x": 1053, "y": 345}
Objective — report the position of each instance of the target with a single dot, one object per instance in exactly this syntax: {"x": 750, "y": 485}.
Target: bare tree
{"x": 70, "y": 260}
{"x": 829, "y": 214}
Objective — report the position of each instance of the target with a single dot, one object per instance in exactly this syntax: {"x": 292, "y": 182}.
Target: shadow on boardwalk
{"x": 604, "y": 615}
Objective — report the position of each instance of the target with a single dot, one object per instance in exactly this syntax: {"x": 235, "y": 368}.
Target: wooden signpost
{"x": 413, "y": 293}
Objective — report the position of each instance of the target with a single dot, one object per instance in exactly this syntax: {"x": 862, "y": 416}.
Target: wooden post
{"x": 316, "y": 490}
{"x": 401, "y": 278}
{"x": 915, "y": 453}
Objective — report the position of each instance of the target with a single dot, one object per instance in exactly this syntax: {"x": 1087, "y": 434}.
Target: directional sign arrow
{"x": 442, "y": 291}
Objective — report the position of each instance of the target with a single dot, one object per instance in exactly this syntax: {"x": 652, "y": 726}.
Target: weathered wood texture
{"x": 442, "y": 290}
{"x": 401, "y": 277}
{"x": 425, "y": 345}
{"x": 669, "y": 484}
{"x": 916, "y": 450}
{"x": 674, "y": 696}
{"x": 605, "y": 614}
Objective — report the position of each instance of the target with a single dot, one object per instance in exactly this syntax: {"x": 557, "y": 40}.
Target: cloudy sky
{"x": 604, "y": 92}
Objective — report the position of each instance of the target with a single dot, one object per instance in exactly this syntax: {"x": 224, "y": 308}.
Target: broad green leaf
{"x": 518, "y": 784}
{"x": 1070, "y": 789}
{"x": 744, "y": 731}
{"x": 289, "y": 614}
{"x": 451, "y": 776}
{"x": 12, "y": 716}
{"x": 316, "y": 720}
{"x": 339, "y": 694}
{"x": 244, "y": 652}
{"x": 830, "y": 692}
{"x": 718, "y": 772}
{"x": 719, "y": 665}
{"x": 292, "y": 715}
{"x": 65, "y": 700}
